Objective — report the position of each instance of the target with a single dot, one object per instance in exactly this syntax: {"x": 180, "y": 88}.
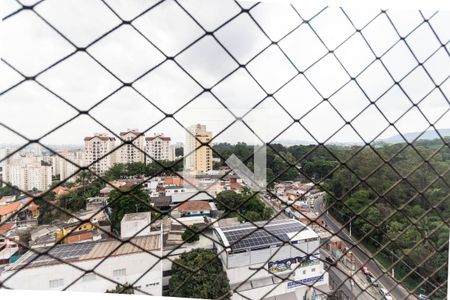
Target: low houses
{"x": 60, "y": 191}
{"x": 76, "y": 232}
{"x": 170, "y": 190}
{"x": 192, "y": 209}
{"x": 162, "y": 203}
{"x": 6, "y": 227}
{"x": 96, "y": 203}
{"x": 84, "y": 226}
{"x": 20, "y": 210}
{"x": 5, "y": 200}
{"x": 43, "y": 236}
{"x": 104, "y": 192}
{"x": 8, "y": 245}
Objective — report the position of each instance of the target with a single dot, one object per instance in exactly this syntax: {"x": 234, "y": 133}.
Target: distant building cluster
{"x": 28, "y": 172}
{"x": 35, "y": 168}
{"x": 100, "y": 153}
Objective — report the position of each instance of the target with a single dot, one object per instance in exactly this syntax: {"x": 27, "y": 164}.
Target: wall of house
{"x": 135, "y": 265}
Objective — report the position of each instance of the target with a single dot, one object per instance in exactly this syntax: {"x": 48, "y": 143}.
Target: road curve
{"x": 397, "y": 290}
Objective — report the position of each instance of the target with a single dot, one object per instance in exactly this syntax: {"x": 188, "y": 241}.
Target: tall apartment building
{"x": 28, "y": 173}
{"x": 201, "y": 159}
{"x": 129, "y": 153}
{"x": 4, "y": 152}
{"x": 158, "y": 147}
{"x": 64, "y": 168}
{"x": 97, "y": 146}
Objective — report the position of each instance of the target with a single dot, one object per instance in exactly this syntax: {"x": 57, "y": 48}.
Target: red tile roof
{"x": 135, "y": 132}
{"x": 173, "y": 181}
{"x": 162, "y": 137}
{"x": 193, "y": 206}
{"x": 6, "y": 227}
{"x": 15, "y": 206}
{"x": 103, "y": 138}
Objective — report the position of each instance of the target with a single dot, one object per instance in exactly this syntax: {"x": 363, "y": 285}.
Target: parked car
{"x": 375, "y": 283}
{"x": 423, "y": 297}
{"x": 330, "y": 260}
{"x": 386, "y": 295}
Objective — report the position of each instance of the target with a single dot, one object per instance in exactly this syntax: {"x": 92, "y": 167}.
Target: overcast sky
{"x": 300, "y": 56}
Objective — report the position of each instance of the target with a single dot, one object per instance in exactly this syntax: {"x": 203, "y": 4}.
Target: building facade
{"x": 158, "y": 148}
{"x": 28, "y": 172}
{"x": 66, "y": 164}
{"x": 4, "y": 152}
{"x": 134, "y": 152}
{"x": 198, "y": 159}
{"x": 97, "y": 151}
{"x": 126, "y": 264}
{"x": 287, "y": 250}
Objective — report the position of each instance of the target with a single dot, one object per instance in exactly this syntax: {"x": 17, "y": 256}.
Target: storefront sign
{"x": 306, "y": 281}
{"x": 285, "y": 264}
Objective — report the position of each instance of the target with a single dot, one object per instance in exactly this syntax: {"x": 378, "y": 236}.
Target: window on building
{"x": 89, "y": 277}
{"x": 56, "y": 283}
{"x": 119, "y": 272}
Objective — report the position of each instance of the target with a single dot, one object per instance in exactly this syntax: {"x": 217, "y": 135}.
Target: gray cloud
{"x": 30, "y": 45}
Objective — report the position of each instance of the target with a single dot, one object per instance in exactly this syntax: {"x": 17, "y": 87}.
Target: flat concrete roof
{"x": 136, "y": 216}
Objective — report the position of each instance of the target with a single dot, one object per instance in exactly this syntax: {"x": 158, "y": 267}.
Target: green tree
{"x": 190, "y": 235}
{"x": 121, "y": 289}
{"x": 127, "y": 201}
{"x": 228, "y": 200}
{"x": 9, "y": 191}
{"x": 47, "y": 212}
{"x": 200, "y": 275}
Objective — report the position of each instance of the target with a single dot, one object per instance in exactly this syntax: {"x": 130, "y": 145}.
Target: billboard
{"x": 286, "y": 264}
{"x": 306, "y": 281}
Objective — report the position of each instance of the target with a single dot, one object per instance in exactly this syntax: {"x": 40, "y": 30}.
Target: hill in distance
{"x": 410, "y": 136}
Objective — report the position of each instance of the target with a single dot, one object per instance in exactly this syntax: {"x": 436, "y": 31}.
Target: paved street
{"x": 397, "y": 291}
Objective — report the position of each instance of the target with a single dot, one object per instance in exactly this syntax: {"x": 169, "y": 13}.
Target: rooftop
{"x": 103, "y": 138}
{"x": 8, "y": 252}
{"x": 248, "y": 237}
{"x": 190, "y": 196}
{"x": 15, "y": 206}
{"x": 136, "y": 216}
{"x": 160, "y": 136}
{"x": 193, "y": 206}
{"x": 161, "y": 200}
{"x": 5, "y": 228}
{"x": 132, "y": 131}
{"x": 86, "y": 251}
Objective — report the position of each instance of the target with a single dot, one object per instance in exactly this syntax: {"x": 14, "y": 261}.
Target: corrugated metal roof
{"x": 85, "y": 251}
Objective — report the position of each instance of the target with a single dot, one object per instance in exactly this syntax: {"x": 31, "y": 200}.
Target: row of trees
{"x": 248, "y": 204}
{"x": 141, "y": 169}
{"x": 199, "y": 274}
{"x": 402, "y": 204}
{"x": 285, "y": 163}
